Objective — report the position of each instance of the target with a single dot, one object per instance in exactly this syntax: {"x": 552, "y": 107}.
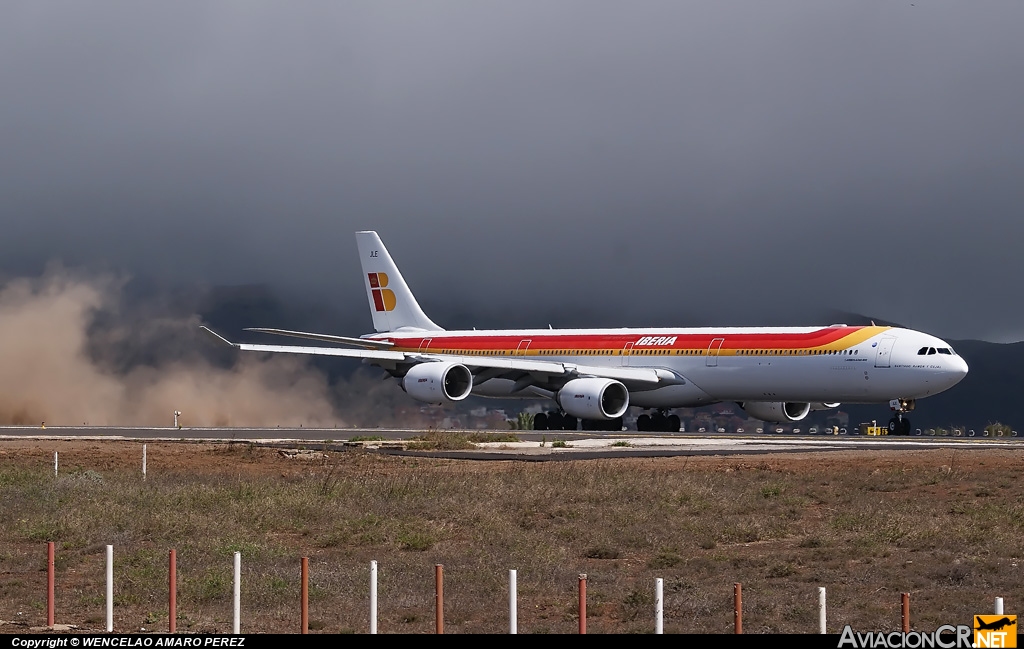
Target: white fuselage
{"x": 793, "y": 364}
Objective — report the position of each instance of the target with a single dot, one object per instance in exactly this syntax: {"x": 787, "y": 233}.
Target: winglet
{"x": 217, "y": 336}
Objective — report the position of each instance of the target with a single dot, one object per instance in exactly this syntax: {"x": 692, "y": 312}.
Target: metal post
{"x": 905, "y": 600}
{"x": 236, "y": 627}
{"x": 513, "y": 614}
{"x": 583, "y": 603}
{"x": 55, "y": 464}
{"x": 659, "y": 606}
{"x": 304, "y": 607}
{"x": 737, "y": 606}
{"x": 373, "y": 597}
{"x": 172, "y": 588}
{"x": 143, "y": 461}
{"x": 49, "y": 582}
{"x": 999, "y": 606}
{"x": 110, "y": 589}
{"x": 439, "y": 598}
{"x": 821, "y": 610}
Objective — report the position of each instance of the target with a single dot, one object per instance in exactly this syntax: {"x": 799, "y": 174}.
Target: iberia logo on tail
{"x": 383, "y": 297}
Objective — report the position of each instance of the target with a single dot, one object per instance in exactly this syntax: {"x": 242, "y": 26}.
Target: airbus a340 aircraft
{"x": 777, "y": 374}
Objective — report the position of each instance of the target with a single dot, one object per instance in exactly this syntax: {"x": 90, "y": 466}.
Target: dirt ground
{"x": 780, "y": 523}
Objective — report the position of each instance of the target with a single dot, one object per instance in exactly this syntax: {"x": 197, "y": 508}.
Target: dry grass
{"x": 945, "y": 526}
{"x": 439, "y": 440}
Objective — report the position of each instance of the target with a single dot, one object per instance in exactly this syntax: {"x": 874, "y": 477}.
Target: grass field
{"x": 947, "y": 526}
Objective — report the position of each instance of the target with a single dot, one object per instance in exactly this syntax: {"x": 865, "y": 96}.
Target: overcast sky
{"x": 659, "y": 163}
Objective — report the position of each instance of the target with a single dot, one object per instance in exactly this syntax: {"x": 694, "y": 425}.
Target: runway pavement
{"x": 532, "y": 446}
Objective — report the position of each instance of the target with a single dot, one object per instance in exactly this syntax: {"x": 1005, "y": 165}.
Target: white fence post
{"x": 236, "y": 627}
{"x": 143, "y": 461}
{"x": 659, "y": 606}
{"x": 55, "y": 464}
{"x": 513, "y": 605}
{"x": 110, "y": 589}
{"x": 821, "y": 610}
{"x": 999, "y": 606}
{"x": 373, "y": 597}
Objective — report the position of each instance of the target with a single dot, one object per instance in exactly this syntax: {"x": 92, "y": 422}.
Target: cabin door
{"x": 884, "y": 350}
{"x": 713, "y": 349}
{"x": 627, "y": 351}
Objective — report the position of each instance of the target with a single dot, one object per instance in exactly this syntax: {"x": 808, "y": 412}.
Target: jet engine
{"x": 593, "y": 398}
{"x": 824, "y": 406}
{"x": 776, "y": 411}
{"x": 438, "y": 382}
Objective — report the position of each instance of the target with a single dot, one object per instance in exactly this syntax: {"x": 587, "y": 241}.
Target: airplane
{"x": 776, "y": 374}
{"x": 995, "y": 625}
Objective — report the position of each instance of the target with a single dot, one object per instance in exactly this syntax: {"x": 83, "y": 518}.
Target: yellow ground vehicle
{"x": 873, "y": 429}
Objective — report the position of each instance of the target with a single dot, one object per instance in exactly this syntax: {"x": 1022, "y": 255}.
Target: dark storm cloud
{"x": 644, "y": 163}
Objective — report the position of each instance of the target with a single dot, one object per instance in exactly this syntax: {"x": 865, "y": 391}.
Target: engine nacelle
{"x": 593, "y": 398}
{"x": 825, "y": 406}
{"x": 438, "y": 382}
{"x": 776, "y": 411}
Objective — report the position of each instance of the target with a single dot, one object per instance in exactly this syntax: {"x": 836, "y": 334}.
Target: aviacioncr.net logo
{"x": 383, "y": 297}
{"x": 995, "y": 631}
{"x": 946, "y": 636}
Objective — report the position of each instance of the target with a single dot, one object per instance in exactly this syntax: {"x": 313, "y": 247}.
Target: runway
{"x": 532, "y": 446}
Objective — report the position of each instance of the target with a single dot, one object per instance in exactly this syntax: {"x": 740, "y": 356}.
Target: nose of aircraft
{"x": 954, "y": 367}
{"x": 959, "y": 367}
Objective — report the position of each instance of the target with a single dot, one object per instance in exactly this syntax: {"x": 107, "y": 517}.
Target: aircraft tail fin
{"x": 392, "y": 304}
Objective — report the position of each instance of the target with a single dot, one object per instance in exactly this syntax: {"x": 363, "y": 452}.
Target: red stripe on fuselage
{"x": 543, "y": 341}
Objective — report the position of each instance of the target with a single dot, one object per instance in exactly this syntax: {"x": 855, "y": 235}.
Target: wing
{"x": 546, "y": 375}
{"x": 344, "y": 340}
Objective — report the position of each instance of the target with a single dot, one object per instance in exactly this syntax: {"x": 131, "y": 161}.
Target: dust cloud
{"x": 63, "y": 361}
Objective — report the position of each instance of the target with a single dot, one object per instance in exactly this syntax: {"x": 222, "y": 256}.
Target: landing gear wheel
{"x": 596, "y": 424}
{"x": 658, "y": 422}
{"x": 905, "y": 428}
{"x": 569, "y": 422}
{"x": 643, "y": 423}
{"x": 540, "y": 421}
{"x": 673, "y": 423}
{"x": 895, "y": 426}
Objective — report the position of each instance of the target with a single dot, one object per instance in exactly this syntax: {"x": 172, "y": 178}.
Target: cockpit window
{"x": 931, "y": 350}
{"x": 922, "y": 351}
{"x": 945, "y": 350}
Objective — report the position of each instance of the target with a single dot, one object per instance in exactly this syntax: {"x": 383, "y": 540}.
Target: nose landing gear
{"x": 899, "y": 424}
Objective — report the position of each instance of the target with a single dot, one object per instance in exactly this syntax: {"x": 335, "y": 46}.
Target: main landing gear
{"x": 658, "y": 422}
{"x": 561, "y": 421}
{"x": 899, "y": 424}
{"x": 554, "y": 421}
